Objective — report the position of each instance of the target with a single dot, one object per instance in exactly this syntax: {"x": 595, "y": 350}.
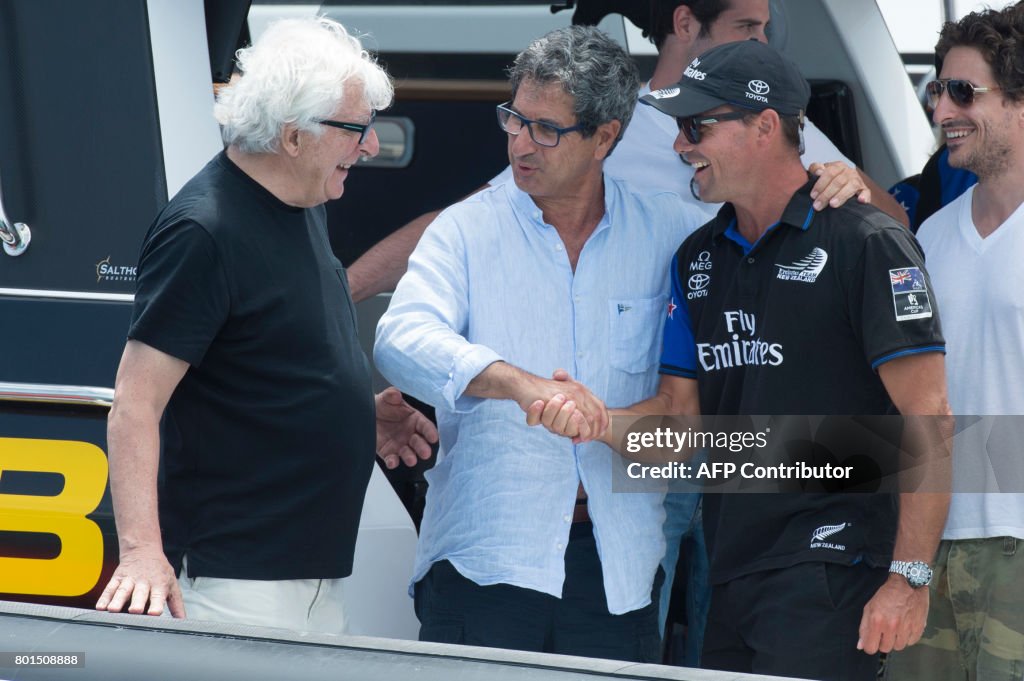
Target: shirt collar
{"x": 523, "y": 205}
{"x": 799, "y": 213}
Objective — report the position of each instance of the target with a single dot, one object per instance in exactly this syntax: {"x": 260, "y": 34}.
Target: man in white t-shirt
{"x": 681, "y": 29}
{"x": 975, "y": 247}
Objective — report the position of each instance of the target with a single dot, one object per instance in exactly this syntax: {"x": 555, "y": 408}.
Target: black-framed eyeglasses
{"x": 362, "y": 128}
{"x": 961, "y": 92}
{"x": 691, "y": 125}
{"x": 544, "y": 134}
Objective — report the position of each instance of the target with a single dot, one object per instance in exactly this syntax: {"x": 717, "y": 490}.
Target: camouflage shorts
{"x": 976, "y": 618}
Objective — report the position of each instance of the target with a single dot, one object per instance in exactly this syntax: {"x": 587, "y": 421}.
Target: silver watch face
{"x": 918, "y": 574}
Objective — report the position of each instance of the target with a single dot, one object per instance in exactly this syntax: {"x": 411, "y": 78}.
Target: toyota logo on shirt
{"x": 758, "y": 87}
{"x": 698, "y": 284}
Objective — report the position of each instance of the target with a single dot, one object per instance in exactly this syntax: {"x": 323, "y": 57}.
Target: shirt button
{"x": 558, "y": 247}
{"x": 580, "y": 354}
{"x": 567, "y": 518}
{"x": 750, "y": 260}
{"x": 559, "y": 546}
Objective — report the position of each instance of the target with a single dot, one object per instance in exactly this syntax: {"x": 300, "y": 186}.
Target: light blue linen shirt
{"x": 491, "y": 281}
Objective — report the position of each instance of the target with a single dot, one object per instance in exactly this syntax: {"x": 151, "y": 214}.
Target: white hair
{"x": 296, "y": 73}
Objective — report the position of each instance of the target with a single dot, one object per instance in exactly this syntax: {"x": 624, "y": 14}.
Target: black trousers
{"x": 801, "y": 621}
{"x": 453, "y": 609}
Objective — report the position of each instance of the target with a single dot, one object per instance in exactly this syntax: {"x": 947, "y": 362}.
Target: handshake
{"x": 565, "y": 407}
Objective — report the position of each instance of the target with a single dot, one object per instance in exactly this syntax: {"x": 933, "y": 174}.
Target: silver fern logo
{"x": 805, "y": 269}
{"x": 824, "y": 532}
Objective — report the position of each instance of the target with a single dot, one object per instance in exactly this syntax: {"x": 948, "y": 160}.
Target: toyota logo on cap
{"x": 758, "y": 87}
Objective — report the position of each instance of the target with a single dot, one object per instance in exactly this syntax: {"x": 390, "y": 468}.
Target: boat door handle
{"x": 15, "y": 236}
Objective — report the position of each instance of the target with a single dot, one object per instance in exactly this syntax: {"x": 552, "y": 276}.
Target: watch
{"x": 918, "y": 574}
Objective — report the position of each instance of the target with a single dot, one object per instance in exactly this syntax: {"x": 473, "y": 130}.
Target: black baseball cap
{"x": 747, "y": 74}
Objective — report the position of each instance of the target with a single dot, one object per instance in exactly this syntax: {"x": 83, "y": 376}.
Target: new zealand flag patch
{"x": 910, "y": 294}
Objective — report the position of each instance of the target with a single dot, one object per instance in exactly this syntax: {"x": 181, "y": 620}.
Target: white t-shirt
{"x": 644, "y": 156}
{"x": 979, "y": 287}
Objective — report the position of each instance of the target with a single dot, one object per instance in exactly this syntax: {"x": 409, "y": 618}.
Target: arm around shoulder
{"x": 839, "y": 180}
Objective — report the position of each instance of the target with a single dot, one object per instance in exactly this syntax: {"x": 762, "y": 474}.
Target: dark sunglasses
{"x": 691, "y": 125}
{"x": 362, "y": 128}
{"x": 961, "y": 92}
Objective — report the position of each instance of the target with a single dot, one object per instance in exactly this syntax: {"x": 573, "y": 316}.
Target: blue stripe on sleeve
{"x": 903, "y": 353}
{"x": 678, "y": 348}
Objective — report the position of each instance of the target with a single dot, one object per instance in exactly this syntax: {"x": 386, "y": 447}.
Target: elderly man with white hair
{"x": 243, "y": 367}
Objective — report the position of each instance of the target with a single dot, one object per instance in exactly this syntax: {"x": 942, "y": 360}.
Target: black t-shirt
{"x": 797, "y": 324}
{"x": 268, "y": 441}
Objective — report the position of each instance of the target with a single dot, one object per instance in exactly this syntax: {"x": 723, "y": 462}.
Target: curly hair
{"x": 590, "y": 66}
{"x": 296, "y": 73}
{"x": 999, "y": 36}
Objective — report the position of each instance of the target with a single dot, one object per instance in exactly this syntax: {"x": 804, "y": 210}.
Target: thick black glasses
{"x": 691, "y": 125}
{"x": 362, "y": 128}
{"x": 544, "y": 134}
{"x": 961, "y": 92}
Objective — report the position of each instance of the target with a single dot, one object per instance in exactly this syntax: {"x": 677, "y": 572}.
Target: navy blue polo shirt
{"x": 797, "y": 324}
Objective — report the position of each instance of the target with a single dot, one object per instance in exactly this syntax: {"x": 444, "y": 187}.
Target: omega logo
{"x": 701, "y": 264}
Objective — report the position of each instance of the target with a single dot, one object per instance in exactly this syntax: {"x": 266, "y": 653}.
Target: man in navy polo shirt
{"x": 777, "y": 309}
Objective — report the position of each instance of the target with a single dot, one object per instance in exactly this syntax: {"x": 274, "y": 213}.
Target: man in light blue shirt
{"x": 523, "y": 544}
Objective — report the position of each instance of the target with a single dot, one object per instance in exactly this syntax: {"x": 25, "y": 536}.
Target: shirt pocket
{"x": 634, "y": 332}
